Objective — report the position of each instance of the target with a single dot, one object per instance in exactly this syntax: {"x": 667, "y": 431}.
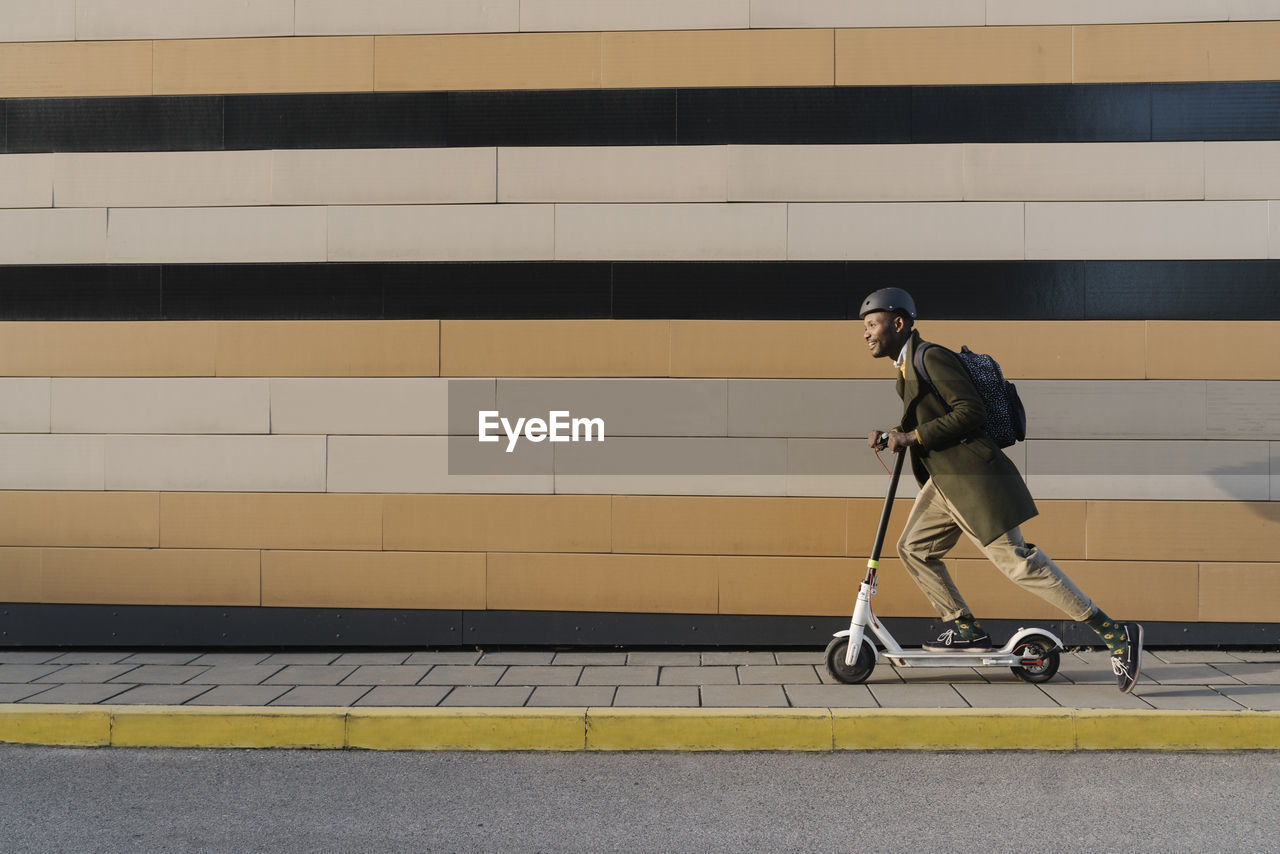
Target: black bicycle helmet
{"x": 891, "y": 300}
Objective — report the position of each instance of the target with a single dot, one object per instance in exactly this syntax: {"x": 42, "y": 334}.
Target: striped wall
{"x": 262, "y": 264}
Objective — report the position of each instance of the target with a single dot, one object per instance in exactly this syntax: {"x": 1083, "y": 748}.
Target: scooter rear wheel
{"x": 1043, "y": 651}
{"x": 862, "y": 665}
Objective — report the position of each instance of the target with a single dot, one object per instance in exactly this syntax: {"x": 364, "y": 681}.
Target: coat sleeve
{"x": 966, "y": 415}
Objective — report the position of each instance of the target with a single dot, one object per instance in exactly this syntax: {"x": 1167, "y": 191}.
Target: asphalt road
{"x": 58, "y": 799}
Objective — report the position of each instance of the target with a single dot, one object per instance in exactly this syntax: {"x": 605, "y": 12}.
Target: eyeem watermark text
{"x": 559, "y": 426}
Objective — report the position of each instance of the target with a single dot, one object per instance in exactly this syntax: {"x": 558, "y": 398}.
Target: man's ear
{"x": 899, "y": 323}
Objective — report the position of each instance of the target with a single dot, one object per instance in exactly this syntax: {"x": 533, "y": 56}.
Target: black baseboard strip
{"x": 134, "y": 626}
{"x": 722, "y": 290}
{"x": 1108, "y": 112}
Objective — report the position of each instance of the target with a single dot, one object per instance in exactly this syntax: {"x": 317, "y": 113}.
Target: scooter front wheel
{"x": 1040, "y": 658}
{"x": 862, "y": 665}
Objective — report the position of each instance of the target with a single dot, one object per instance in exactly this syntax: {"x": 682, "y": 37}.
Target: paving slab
{"x": 1257, "y": 656}
{"x": 517, "y": 657}
{"x": 487, "y": 696}
{"x": 311, "y": 674}
{"x": 573, "y": 696}
{"x": 404, "y": 695}
{"x": 540, "y": 674}
{"x": 26, "y": 657}
{"x": 387, "y": 674}
{"x": 883, "y": 674}
{"x": 217, "y": 658}
{"x": 322, "y": 695}
{"x": 673, "y": 659}
{"x": 161, "y": 695}
{"x": 442, "y": 658}
{"x": 1260, "y": 673}
{"x": 86, "y": 694}
{"x": 88, "y": 673}
{"x": 383, "y": 658}
{"x": 27, "y": 672}
{"x": 1186, "y": 674}
{"x": 931, "y": 675}
{"x": 1260, "y": 698}
{"x": 830, "y": 696}
{"x": 1086, "y": 674}
{"x": 590, "y": 658}
{"x": 456, "y": 674}
{"x": 609, "y": 675}
{"x": 713, "y": 658}
{"x": 162, "y": 674}
{"x": 815, "y": 658}
{"x": 1021, "y": 696}
{"x": 239, "y": 695}
{"x": 14, "y": 693}
{"x": 777, "y": 674}
{"x": 744, "y": 696}
{"x": 89, "y": 657}
{"x": 917, "y": 696}
{"x": 237, "y": 674}
{"x": 1187, "y": 697}
{"x": 1191, "y": 656}
{"x": 1093, "y": 697}
{"x": 314, "y": 658}
{"x": 716, "y": 675}
{"x": 161, "y": 658}
{"x": 665, "y": 696}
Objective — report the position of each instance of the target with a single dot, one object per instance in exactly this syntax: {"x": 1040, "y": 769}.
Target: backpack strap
{"x": 918, "y": 362}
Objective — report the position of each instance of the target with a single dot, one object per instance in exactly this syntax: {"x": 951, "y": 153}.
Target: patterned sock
{"x": 968, "y": 628}
{"x": 1111, "y": 632}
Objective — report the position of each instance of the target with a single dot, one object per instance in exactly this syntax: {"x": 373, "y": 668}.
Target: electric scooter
{"x": 1032, "y": 654}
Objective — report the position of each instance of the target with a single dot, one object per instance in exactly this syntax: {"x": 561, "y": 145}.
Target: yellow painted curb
{"x": 64, "y": 726}
{"x": 466, "y": 729}
{"x": 953, "y": 729}
{"x": 708, "y": 729}
{"x": 1099, "y": 729}
{"x": 227, "y": 726}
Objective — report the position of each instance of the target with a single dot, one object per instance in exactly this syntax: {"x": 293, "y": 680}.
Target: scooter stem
{"x": 888, "y": 507}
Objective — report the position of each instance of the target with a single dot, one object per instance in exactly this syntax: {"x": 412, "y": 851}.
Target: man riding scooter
{"x": 969, "y": 486}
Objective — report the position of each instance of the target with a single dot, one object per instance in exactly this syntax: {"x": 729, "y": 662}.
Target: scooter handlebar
{"x": 882, "y": 440}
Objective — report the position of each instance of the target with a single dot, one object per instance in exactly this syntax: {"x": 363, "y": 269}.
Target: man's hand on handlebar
{"x": 893, "y": 440}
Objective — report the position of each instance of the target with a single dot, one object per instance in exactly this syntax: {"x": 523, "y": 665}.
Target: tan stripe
{"x": 502, "y": 61}
{"x": 1240, "y": 592}
{"x": 1184, "y": 530}
{"x": 1193, "y": 350}
{"x": 151, "y": 577}
{"x": 617, "y": 583}
{"x": 953, "y": 55}
{"x": 226, "y": 66}
{"x": 82, "y": 69}
{"x": 20, "y": 574}
{"x": 538, "y": 523}
{"x": 718, "y": 58}
{"x": 554, "y": 348}
{"x": 311, "y": 579}
{"x": 113, "y": 519}
{"x": 752, "y": 526}
{"x": 107, "y": 349}
{"x": 1178, "y": 52}
{"x": 337, "y": 348}
{"x": 270, "y": 521}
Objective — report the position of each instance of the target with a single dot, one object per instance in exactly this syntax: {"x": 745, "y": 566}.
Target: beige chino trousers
{"x": 934, "y": 527}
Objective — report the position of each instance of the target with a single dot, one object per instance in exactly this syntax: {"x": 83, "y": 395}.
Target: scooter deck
{"x": 921, "y": 658}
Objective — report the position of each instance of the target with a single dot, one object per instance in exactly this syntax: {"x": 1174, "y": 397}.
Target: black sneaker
{"x": 1128, "y": 664}
{"x": 950, "y": 641}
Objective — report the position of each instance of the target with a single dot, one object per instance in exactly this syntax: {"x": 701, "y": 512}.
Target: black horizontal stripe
{"x": 198, "y": 626}
{"x": 781, "y": 290}
{"x": 1126, "y": 112}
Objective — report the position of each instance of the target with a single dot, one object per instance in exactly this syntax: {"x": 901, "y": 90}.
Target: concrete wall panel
{"x": 47, "y": 236}
{"x": 571, "y": 15}
{"x": 918, "y": 231}
{"x": 1242, "y": 170}
{"x": 1243, "y": 410}
{"x": 1097, "y": 171}
{"x": 437, "y": 464}
{"x": 628, "y": 407}
{"x": 24, "y": 405}
{"x": 154, "y": 405}
{"x": 26, "y": 181}
{"x": 377, "y": 17}
{"x": 182, "y": 19}
{"x": 215, "y": 235}
{"x": 38, "y": 20}
{"x": 1119, "y": 409}
{"x": 1038, "y": 12}
{"x": 442, "y": 233}
{"x": 387, "y": 176}
{"x": 162, "y": 179}
{"x": 1165, "y": 230}
{"x": 216, "y": 463}
{"x": 868, "y": 13}
{"x": 671, "y": 232}
{"x": 810, "y": 408}
{"x": 840, "y": 173}
{"x": 369, "y": 406}
{"x": 42, "y": 461}
{"x": 613, "y": 174}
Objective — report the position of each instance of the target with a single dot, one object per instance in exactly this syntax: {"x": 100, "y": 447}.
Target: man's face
{"x": 883, "y": 333}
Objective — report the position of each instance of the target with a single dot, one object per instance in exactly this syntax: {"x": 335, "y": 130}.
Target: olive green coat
{"x": 965, "y": 464}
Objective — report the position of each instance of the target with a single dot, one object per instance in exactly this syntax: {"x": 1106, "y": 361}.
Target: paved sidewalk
{"x": 1216, "y": 681}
